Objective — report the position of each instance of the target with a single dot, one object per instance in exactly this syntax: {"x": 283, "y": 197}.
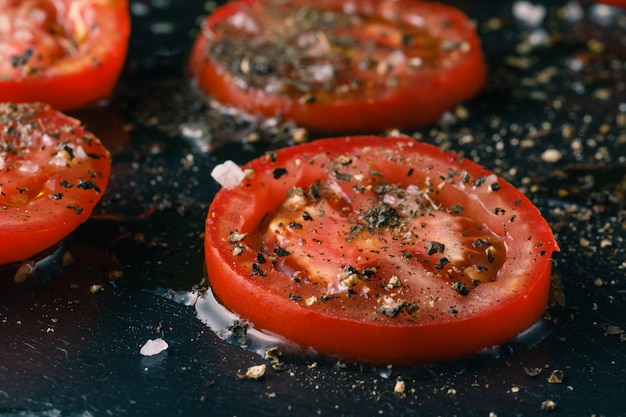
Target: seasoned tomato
{"x": 340, "y": 66}
{"x": 616, "y": 3}
{"x": 67, "y": 53}
{"x": 378, "y": 249}
{"x": 52, "y": 175}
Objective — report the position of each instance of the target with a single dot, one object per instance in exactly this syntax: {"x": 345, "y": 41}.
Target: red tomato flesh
{"x": 616, "y": 3}
{"x": 383, "y": 250}
{"x": 52, "y": 175}
{"x": 62, "y": 52}
{"x": 338, "y": 66}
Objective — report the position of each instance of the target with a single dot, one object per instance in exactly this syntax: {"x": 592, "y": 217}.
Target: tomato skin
{"x": 53, "y": 174}
{"x": 83, "y": 77}
{"x": 423, "y": 100}
{"x": 517, "y": 298}
{"x": 616, "y": 3}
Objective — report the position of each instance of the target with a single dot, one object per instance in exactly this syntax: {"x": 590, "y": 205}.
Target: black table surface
{"x": 70, "y": 344}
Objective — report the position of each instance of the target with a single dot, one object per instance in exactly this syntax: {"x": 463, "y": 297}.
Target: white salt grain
{"x": 529, "y": 13}
{"x": 154, "y": 347}
{"x": 228, "y": 174}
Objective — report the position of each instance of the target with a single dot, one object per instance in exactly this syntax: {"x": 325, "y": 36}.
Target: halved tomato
{"x": 379, "y": 249}
{"x": 52, "y": 174}
{"x": 66, "y": 53}
{"x": 339, "y": 66}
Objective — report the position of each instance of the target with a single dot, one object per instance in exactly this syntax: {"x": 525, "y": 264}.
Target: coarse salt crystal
{"x": 529, "y": 13}
{"x": 154, "y": 347}
{"x": 228, "y": 174}
{"x": 551, "y": 155}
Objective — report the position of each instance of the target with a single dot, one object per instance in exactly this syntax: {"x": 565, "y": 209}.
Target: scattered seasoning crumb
{"x": 548, "y": 405}
{"x": 394, "y": 282}
{"x": 551, "y": 155}
{"x": 273, "y": 355}
{"x": 556, "y": 377}
{"x": 96, "y": 288}
{"x": 25, "y": 271}
{"x": 400, "y": 387}
{"x": 532, "y": 371}
{"x": 253, "y": 372}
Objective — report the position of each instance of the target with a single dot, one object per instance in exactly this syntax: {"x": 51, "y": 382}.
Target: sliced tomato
{"x": 66, "y": 53}
{"x": 377, "y": 249}
{"x": 616, "y": 3}
{"x": 340, "y": 66}
{"x": 52, "y": 175}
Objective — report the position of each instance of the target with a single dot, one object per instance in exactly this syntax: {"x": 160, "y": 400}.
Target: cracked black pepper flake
{"x": 480, "y": 243}
{"x": 278, "y": 251}
{"x": 256, "y": 270}
{"x": 314, "y": 190}
{"x": 260, "y": 258}
{"x": 369, "y": 271}
{"x": 479, "y": 181}
{"x": 279, "y": 172}
{"x": 295, "y": 225}
{"x": 457, "y": 208}
{"x": 460, "y": 287}
{"x": 77, "y": 209}
{"x": 342, "y": 176}
{"x": 392, "y": 309}
{"x": 442, "y": 263}
{"x": 326, "y": 297}
{"x": 88, "y": 185}
{"x": 435, "y": 247}
{"x": 495, "y": 186}
{"x": 21, "y": 60}
{"x": 69, "y": 150}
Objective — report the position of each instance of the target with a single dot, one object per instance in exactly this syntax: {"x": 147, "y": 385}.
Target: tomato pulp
{"x": 52, "y": 175}
{"x": 337, "y": 66}
{"x": 384, "y": 250}
{"x": 62, "y": 52}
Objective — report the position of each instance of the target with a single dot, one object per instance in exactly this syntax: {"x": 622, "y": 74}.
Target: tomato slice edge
{"x": 84, "y": 79}
{"x": 433, "y": 95}
{"x": 367, "y": 341}
{"x": 28, "y": 229}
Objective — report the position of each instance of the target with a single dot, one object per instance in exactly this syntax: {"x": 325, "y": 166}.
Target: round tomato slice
{"x": 52, "y": 175}
{"x": 65, "y": 53}
{"x": 616, "y": 3}
{"x": 339, "y": 66}
{"x": 377, "y": 249}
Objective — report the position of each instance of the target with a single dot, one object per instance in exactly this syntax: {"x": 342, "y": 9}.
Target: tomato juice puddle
{"x": 231, "y": 328}
{"x": 41, "y": 267}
